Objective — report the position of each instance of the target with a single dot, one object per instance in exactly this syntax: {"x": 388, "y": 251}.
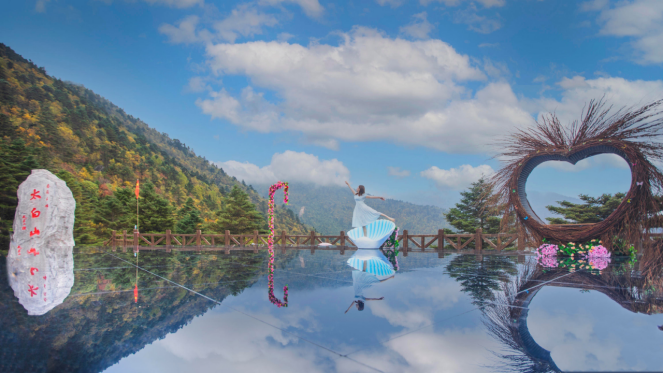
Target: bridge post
{"x": 168, "y": 241}
{"x": 136, "y": 238}
{"x": 405, "y": 240}
{"x": 284, "y": 240}
{"x": 227, "y": 239}
{"x": 440, "y": 239}
{"x": 478, "y": 241}
{"x": 342, "y": 241}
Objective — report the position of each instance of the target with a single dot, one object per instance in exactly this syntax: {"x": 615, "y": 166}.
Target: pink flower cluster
{"x": 599, "y": 262}
{"x": 598, "y": 252}
{"x": 547, "y": 250}
{"x": 270, "y": 244}
{"x": 548, "y": 261}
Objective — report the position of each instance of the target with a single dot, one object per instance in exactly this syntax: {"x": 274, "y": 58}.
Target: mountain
{"x": 329, "y": 209}
{"x": 100, "y": 151}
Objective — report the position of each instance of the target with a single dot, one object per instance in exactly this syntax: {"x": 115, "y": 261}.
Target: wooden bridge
{"x": 409, "y": 242}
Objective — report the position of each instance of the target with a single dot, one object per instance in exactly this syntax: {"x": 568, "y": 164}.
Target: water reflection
{"x": 41, "y": 277}
{"x": 371, "y": 267}
{"x": 436, "y": 314}
{"x": 507, "y": 318}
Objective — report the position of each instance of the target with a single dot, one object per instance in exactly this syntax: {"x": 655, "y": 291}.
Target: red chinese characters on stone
{"x": 35, "y": 232}
{"x": 19, "y": 249}
{"x": 33, "y": 270}
{"x": 35, "y": 212}
{"x": 35, "y": 195}
{"x": 33, "y": 251}
{"x": 33, "y": 290}
{"x": 23, "y": 222}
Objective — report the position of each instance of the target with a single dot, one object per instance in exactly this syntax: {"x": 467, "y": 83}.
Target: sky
{"x": 405, "y": 97}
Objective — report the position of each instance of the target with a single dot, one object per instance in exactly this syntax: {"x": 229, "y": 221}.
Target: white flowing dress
{"x": 363, "y": 215}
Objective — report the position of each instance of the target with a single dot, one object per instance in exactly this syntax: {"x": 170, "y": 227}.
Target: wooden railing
{"x": 409, "y": 242}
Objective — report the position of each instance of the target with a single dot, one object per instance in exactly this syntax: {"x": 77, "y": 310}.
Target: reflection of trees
{"x": 506, "y": 319}
{"x": 480, "y": 276}
{"x": 92, "y": 332}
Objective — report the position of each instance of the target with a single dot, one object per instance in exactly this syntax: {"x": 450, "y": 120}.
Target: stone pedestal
{"x": 40, "y": 264}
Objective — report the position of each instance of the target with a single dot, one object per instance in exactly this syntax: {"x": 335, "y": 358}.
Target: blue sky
{"x": 404, "y": 97}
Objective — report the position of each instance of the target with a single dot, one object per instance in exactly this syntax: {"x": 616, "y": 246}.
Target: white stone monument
{"x": 40, "y": 264}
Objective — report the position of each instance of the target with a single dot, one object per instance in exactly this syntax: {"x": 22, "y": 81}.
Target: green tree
{"x": 189, "y": 219}
{"x": 594, "y": 210}
{"x": 84, "y": 230}
{"x": 238, "y": 215}
{"x": 156, "y": 213}
{"x": 474, "y": 210}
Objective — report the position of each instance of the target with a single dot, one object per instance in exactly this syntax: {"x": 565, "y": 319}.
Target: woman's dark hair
{"x": 360, "y": 305}
{"x": 360, "y": 190}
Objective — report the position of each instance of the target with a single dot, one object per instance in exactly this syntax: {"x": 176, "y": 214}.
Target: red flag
{"x": 137, "y": 189}
{"x": 136, "y": 293}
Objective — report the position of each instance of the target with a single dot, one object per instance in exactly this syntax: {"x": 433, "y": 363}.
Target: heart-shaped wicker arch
{"x": 629, "y": 134}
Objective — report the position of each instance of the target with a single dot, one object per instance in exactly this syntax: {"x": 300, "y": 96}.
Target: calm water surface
{"x": 210, "y": 312}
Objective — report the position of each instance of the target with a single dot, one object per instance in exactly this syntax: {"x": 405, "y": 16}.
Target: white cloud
{"x": 292, "y": 167}
{"x": 184, "y": 32}
{"x": 176, "y": 3}
{"x": 371, "y": 88}
{"x": 419, "y": 28}
{"x": 244, "y": 20}
{"x": 457, "y": 178}
{"x": 40, "y": 6}
{"x": 485, "y": 3}
{"x": 312, "y": 8}
{"x": 397, "y": 172}
{"x": 640, "y": 20}
{"x": 600, "y": 161}
{"x": 575, "y": 82}
{"x": 594, "y": 5}
{"x": 475, "y": 22}
{"x": 392, "y": 3}
{"x": 615, "y": 91}
{"x": 197, "y": 84}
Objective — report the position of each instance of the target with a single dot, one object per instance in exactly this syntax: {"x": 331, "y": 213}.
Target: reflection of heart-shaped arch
{"x": 628, "y": 134}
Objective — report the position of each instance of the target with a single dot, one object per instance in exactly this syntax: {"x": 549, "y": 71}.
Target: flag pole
{"x": 137, "y": 197}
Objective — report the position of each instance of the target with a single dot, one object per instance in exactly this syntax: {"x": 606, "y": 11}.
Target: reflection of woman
{"x": 364, "y": 215}
{"x": 361, "y": 281}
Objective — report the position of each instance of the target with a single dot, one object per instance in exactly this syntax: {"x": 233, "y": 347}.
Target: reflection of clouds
{"x": 573, "y": 341}
{"x": 229, "y": 341}
{"x": 457, "y": 350}
{"x": 411, "y": 318}
{"x": 418, "y": 302}
{"x": 444, "y": 294}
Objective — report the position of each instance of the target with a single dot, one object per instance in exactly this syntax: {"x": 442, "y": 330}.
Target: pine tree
{"x": 594, "y": 210}
{"x": 474, "y": 210}
{"x": 156, "y": 213}
{"x": 238, "y": 215}
{"x": 84, "y": 231}
{"x": 189, "y": 218}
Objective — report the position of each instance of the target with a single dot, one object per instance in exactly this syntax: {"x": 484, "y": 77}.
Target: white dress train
{"x": 363, "y": 215}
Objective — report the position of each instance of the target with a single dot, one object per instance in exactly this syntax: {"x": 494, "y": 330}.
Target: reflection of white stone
{"x": 40, "y": 264}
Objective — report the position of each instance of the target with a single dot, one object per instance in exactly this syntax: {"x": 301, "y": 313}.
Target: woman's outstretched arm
{"x": 348, "y": 184}
{"x": 374, "y": 197}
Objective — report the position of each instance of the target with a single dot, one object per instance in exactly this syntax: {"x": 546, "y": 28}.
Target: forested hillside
{"x": 329, "y": 209}
{"x": 100, "y": 151}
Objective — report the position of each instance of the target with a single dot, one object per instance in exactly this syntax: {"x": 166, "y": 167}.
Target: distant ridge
{"x": 329, "y": 209}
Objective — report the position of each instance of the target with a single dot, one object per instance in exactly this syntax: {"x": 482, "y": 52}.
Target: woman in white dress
{"x": 364, "y": 215}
